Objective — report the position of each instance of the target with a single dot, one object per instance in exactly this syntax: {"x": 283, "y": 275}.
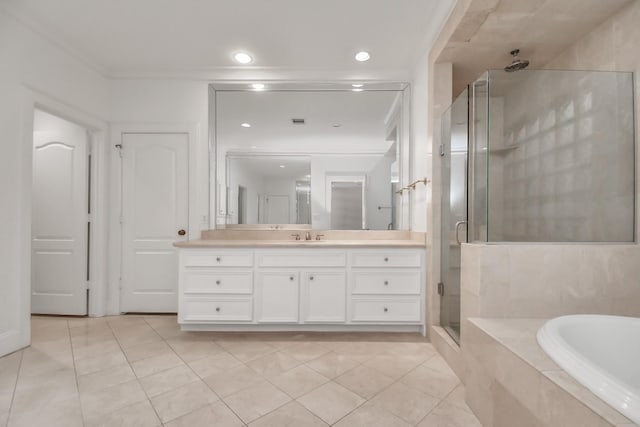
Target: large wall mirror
{"x": 310, "y": 156}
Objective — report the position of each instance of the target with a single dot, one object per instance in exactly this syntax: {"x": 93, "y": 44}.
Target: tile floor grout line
{"x": 220, "y": 399}
{"x": 15, "y": 386}
{"x": 398, "y": 380}
{"x": 75, "y": 374}
{"x": 439, "y": 403}
{"x": 136, "y": 379}
{"x": 351, "y": 411}
{"x": 162, "y": 423}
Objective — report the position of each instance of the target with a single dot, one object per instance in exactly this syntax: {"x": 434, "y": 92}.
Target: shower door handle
{"x": 458, "y": 224}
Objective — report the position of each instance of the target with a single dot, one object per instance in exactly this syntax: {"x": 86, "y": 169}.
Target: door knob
{"x": 181, "y": 232}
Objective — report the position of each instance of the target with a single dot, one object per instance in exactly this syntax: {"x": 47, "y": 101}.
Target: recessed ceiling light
{"x": 282, "y": 166}
{"x": 357, "y": 85}
{"x": 243, "y": 58}
{"x": 308, "y": 176}
{"x": 245, "y": 125}
{"x": 258, "y": 86}
{"x": 357, "y": 89}
{"x": 362, "y": 56}
{"x": 336, "y": 125}
{"x": 254, "y": 146}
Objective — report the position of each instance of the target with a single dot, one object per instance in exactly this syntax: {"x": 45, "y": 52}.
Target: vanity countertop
{"x": 286, "y": 239}
{"x": 224, "y": 243}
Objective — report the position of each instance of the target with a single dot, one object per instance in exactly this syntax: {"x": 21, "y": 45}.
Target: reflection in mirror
{"x": 265, "y": 189}
{"x": 326, "y": 159}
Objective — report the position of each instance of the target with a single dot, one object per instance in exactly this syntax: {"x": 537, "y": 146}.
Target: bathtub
{"x": 600, "y": 352}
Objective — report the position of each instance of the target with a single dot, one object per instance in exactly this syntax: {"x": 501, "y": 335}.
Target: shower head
{"x": 517, "y": 64}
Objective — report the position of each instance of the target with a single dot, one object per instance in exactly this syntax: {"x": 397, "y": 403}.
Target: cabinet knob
{"x": 386, "y": 282}
{"x": 217, "y": 282}
{"x": 218, "y": 259}
{"x": 310, "y": 277}
{"x": 218, "y": 309}
{"x": 386, "y": 259}
{"x": 386, "y": 309}
{"x": 291, "y": 278}
{"x": 181, "y": 232}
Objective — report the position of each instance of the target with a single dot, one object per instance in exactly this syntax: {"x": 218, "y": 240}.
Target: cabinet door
{"x": 277, "y": 293}
{"x": 324, "y": 296}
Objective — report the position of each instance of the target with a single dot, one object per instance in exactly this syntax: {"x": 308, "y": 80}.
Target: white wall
{"x": 420, "y": 144}
{"x": 31, "y": 68}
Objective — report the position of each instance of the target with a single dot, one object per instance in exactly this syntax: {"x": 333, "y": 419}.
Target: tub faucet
{"x": 307, "y": 236}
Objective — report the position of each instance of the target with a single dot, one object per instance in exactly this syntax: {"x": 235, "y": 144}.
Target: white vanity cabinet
{"x": 215, "y": 286}
{"x": 302, "y": 288}
{"x": 386, "y": 286}
{"x": 277, "y": 296}
{"x": 324, "y": 295}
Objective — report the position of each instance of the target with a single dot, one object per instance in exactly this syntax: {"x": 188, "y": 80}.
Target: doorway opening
{"x": 346, "y": 202}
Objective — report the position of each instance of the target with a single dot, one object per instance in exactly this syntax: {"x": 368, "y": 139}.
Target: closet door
{"x": 155, "y": 199}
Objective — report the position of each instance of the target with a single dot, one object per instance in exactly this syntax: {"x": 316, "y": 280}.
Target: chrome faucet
{"x": 297, "y": 236}
{"x": 307, "y": 236}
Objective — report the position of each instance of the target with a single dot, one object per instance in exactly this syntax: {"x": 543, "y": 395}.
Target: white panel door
{"x": 59, "y": 223}
{"x": 155, "y": 198}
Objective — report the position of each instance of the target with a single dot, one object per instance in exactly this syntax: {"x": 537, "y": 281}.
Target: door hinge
{"x": 121, "y": 219}
{"x": 441, "y": 289}
{"x": 441, "y": 150}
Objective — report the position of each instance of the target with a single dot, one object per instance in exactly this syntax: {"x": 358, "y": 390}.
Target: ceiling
{"x": 268, "y": 167}
{"x": 541, "y": 29}
{"x": 166, "y": 37}
{"x": 360, "y": 116}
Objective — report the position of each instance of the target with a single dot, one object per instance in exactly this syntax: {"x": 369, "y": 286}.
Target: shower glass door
{"x": 455, "y": 153}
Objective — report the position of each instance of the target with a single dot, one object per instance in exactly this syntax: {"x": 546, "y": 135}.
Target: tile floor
{"x": 143, "y": 371}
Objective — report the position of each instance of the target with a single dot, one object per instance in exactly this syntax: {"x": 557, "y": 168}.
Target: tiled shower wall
{"x": 565, "y": 157}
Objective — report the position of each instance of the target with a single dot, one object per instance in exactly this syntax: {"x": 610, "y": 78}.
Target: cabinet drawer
{"x": 218, "y": 281}
{"x": 392, "y": 281}
{"x": 386, "y": 310}
{"x": 301, "y": 258}
{"x": 212, "y": 309}
{"x": 391, "y": 258}
{"x": 218, "y": 259}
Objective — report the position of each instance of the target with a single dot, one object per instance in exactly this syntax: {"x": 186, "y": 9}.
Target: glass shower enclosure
{"x": 535, "y": 156}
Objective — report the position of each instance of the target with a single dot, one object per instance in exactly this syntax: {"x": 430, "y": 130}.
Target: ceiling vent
{"x": 297, "y": 121}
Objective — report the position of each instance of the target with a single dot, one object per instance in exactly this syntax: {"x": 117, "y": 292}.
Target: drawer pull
{"x": 217, "y": 282}
{"x": 386, "y": 259}
{"x": 218, "y": 309}
{"x": 218, "y": 259}
{"x": 310, "y": 277}
{"x": 386, "y": 282}
{"x": 386, "y": 309}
